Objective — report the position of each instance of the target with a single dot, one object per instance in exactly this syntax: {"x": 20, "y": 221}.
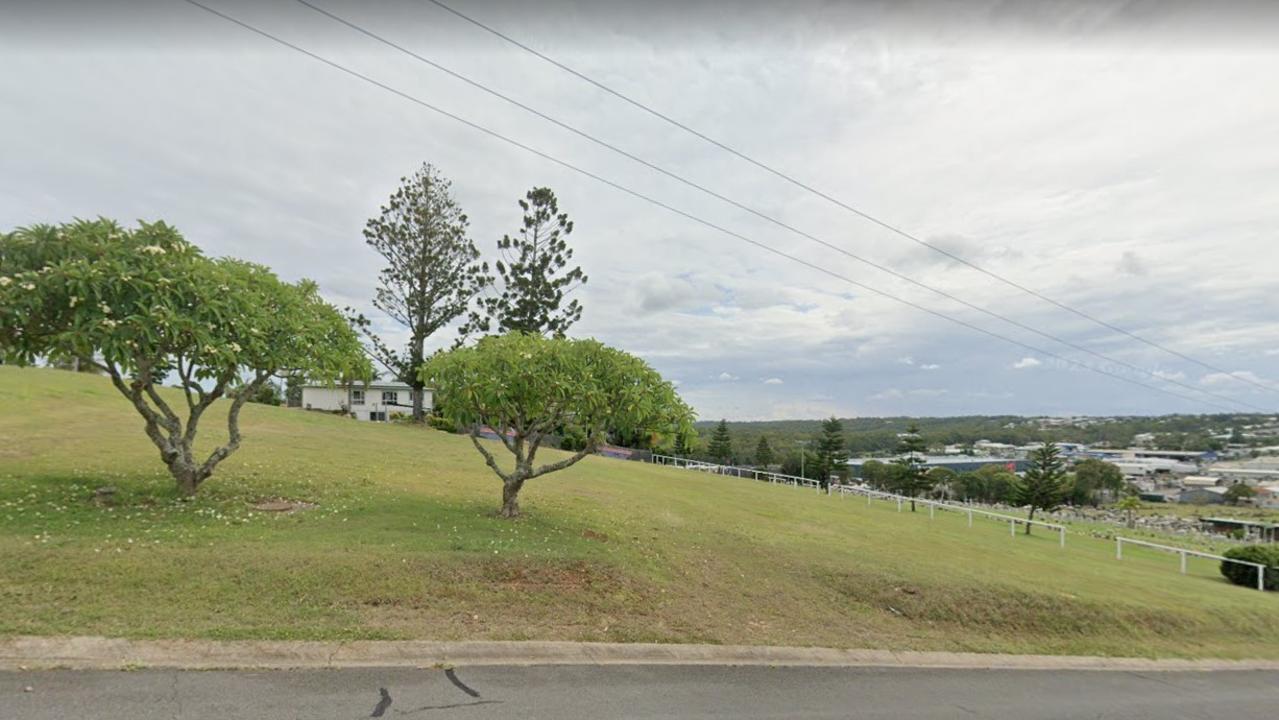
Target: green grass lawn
{"x": 403, "y": 542}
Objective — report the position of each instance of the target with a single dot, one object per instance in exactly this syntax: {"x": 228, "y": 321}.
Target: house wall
{"x": 323, "y": 398}
{"x": 335, "y": 398}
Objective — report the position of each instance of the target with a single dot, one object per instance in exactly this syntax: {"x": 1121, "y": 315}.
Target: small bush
{"x": 442, "y": 423}
{"x": 1246, "y": 574}
{"x": 572, "y": 440}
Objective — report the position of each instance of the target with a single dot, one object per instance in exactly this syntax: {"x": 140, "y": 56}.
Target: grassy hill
{"x": 403, "y": 543}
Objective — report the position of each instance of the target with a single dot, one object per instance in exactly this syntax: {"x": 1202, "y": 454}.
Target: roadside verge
{"x": 117, "y": 653}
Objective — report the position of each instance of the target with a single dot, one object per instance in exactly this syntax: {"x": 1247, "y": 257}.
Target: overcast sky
{"x": 1122, "y": 158}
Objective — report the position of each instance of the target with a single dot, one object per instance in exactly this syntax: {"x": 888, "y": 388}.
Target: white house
{"x": 376, "y": 401}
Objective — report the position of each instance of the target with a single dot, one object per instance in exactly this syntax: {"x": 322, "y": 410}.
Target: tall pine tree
{"x": 1045, "y": 484}
{"x": 432, "y": 271}
{"x": 913, "y": 478}
{"x": 763, "y": 452}
{"x": 534, "y": 278}
{"x": 721, "y": 445}
{"x": 832, "y": 453}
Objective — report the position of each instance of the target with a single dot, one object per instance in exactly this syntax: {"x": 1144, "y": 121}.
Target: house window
{"x": 357, "y": 397}
{"x": 390, "y": 397}
{"x": 377, "y": 416}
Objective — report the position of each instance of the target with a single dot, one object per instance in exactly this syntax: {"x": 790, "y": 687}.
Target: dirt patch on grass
{"x": 523, "y": 575}
{"x": 282, "y": 505}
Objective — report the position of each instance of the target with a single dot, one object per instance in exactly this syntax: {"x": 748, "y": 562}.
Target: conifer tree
{"x": 432, "y": 272}
{"x": 1045, "y": 484}
{"x": 763, "y": 452}
{"x": 534, "y": 278}
{"x": 721, "y": 446}
{"x": 913, "y": 479}
{"x": 832, "y": 452}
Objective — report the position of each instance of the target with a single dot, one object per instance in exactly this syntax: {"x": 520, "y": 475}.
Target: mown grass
{"x": 403, "y": 542}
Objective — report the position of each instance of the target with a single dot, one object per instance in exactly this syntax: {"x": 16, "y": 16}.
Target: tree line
{"x": 879, "y": 435}
{"x": 146, "y": 307}
{"x": 1046, "y": 485}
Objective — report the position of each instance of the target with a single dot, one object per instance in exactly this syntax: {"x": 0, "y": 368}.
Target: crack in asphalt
{"x": 452, "y": 676}
{"x": 450, "y": 706}
{"x": 382, "y": 704}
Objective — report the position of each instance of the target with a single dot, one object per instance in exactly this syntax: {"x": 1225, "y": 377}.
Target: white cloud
{"x": 1026, "y": 362}
{"x": 1167, "y": 375}
{"x": 888, "y": 394}
{"x": 930, "y": 366}
{"x": 907, "y": 360}
{"x": 1238, "y": 378}
{"x": 728, "y": 377}
{"x": 773, "y": 381}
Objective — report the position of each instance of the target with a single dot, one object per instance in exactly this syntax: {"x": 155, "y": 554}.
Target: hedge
{"x": 1267, "y": 555}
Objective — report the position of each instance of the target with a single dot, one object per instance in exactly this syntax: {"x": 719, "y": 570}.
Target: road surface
{"x": 591, "y": 692}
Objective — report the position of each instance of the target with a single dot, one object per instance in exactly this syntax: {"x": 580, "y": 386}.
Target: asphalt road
{"x": 591, "y": 692}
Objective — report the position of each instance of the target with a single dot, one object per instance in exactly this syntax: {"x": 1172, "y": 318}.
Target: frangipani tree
{"x": 144, "y": 305}
{"x": 527, "y": 387}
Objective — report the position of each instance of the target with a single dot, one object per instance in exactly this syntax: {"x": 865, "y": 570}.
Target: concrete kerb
{"x": 114, "y": 654}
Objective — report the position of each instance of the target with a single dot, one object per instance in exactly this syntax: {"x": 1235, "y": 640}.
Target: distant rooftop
{"x": 380, "y": 384}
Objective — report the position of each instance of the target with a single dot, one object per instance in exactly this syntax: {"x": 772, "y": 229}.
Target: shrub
{"x": 572, "y": 440}
{"x": 439, "y": 422}
{"x": 1246, "y": 574}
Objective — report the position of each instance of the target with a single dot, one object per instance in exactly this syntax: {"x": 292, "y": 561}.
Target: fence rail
{"x": 1183, "y": 552}
{"x": 932, "y": 505}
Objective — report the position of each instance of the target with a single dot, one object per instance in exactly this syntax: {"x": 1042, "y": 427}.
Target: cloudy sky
{"x": 1121, "y": 158}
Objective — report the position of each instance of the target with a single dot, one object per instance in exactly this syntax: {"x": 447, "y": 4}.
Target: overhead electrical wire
{"x": 897, "y": 230}
{"x": 701, "y": 188}
{"x": 658, "y": 203}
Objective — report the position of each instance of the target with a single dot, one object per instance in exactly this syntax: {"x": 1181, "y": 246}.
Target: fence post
{"x": 1012, "y": 528}
{"x": 867, "y": 499}
{"x": 1119, "y": 548}
{"x": 1183, "y": 562}
{"x": 1261, "y": 578}
{"x": 1062, "y": 533}
{"x": 899, "y": 504}
{"x": 931, "y": 508}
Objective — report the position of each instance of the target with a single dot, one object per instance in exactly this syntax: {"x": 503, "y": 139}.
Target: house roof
{"x": 372, "y": 385}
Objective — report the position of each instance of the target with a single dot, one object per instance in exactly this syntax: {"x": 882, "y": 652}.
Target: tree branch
{"x": 488, "y": 456}
{"x": 233, "y": 426}
{"x": 134, "y": 395}
{"x": 567, "y": 462}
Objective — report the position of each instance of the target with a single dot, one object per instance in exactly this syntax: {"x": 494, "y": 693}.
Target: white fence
{"x": 933, "y": 505}
{"x": 868, "y": 493}
{"x": 1183, "y": 552}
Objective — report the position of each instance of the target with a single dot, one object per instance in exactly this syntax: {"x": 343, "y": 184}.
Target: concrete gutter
{"x": 117, "y": 653}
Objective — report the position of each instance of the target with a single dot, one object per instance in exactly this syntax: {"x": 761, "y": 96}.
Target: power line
{"x": 846, "y": 206}
{"x": 580, "y": 133}
{"x": 634, "y": 193}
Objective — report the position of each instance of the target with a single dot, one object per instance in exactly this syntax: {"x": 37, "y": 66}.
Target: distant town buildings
{"x": 1200, "y": 477}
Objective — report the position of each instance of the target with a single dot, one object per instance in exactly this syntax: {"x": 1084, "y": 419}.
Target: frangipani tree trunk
{"x": 174, "y": 437}
{"x": 524, "y": 470}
